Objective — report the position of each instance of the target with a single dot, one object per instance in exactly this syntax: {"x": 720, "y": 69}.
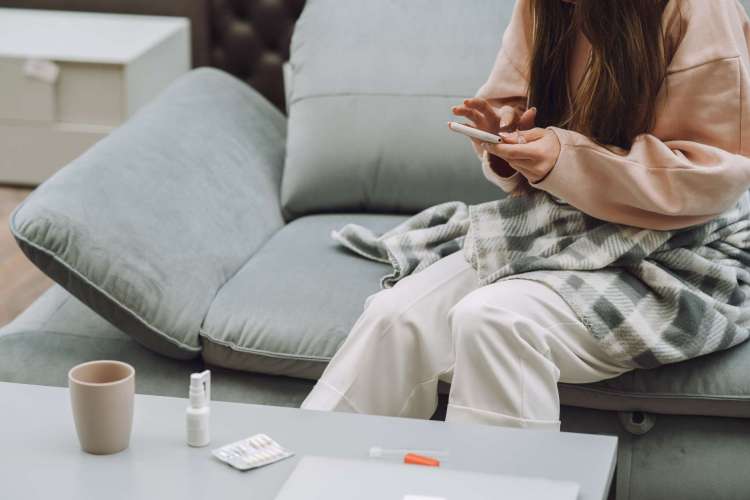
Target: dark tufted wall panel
{"x": 250, "y": 39}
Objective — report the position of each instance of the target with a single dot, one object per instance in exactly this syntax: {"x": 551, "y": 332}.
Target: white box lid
{"x": 82, "y": 36}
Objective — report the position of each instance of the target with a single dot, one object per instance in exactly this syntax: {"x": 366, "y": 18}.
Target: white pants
{"x": 503, "y": 348}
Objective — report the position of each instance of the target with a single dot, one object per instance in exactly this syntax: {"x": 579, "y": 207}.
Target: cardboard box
{"x": 68, "y": 78}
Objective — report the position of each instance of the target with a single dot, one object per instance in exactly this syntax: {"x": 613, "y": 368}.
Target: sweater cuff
{"x": 507, "y": 184}
{"x": 555, "y": 181}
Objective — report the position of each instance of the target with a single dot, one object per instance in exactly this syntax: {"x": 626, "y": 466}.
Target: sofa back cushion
{"x": 371, "y": 91}
{"x": 148, "y": 225}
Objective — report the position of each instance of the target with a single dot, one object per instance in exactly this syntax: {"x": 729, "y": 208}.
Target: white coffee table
{"x": 40, "y": 457}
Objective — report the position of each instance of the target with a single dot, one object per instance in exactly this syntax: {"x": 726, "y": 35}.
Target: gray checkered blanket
{"x": 650, "y": 297}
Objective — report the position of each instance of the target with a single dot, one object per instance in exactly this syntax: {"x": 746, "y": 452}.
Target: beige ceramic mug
{"x": 101, "y": 394}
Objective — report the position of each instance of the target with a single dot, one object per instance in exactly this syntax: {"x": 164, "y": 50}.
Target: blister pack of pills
{"x": 251, "y": 453}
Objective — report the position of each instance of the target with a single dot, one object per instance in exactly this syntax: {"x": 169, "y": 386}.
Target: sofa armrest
{"x": 148, "y": 224}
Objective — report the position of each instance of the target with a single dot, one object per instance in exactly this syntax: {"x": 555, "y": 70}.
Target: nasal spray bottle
{"x": 198, "y": 413}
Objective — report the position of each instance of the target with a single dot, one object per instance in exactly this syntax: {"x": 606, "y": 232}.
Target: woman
{"x": 641, "y": 119}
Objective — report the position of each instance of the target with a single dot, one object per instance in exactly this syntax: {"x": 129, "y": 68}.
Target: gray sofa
{"x": 201, "y": 229}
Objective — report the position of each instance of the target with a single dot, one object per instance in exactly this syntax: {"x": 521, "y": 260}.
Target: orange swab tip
{"x": 413, "y": 458}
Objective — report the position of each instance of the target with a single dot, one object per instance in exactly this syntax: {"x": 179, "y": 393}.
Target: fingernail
{"x": 533, "y": 109}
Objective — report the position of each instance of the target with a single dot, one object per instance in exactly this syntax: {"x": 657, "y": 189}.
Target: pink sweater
{"x": 694, "y": 164}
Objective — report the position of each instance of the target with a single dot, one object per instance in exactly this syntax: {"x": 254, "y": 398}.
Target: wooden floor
{"x": 20, "y": 282}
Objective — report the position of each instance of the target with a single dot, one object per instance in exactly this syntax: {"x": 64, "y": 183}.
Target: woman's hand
{"x": 494, "y": 120}
{"x": 486, "y": 117}
{"x": 533, "y": 152}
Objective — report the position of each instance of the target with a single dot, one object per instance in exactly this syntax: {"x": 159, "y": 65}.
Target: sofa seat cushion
{"x": 291, "y": 306}
{"x": 716, "y": 385}
{"x": 57, "y": 332}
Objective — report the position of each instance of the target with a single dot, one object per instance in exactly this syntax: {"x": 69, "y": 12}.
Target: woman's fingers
{"x": 486, "y": 109}
{"x": 523, "y": 136}
{"x": 477, "y": 143}
{"x": 480, "y": 105}
{"x": 508, "y": 115}
{"x": 508, "y": 152}
{"x": 472, "y": 114}
{"x": 491, "y": 119}
{"x": 520, "y": 157}
{"x": 528, "y": 119}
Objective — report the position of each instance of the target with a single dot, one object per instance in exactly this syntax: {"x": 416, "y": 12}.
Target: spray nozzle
{"x": 200, "y": 389}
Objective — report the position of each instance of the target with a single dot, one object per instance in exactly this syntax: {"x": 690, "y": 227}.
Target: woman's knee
{"x": 387, "y": 311}
{"x": 384, "y": 305}
{"x": 492, "y": 316}
{"x": 473, "y": 320}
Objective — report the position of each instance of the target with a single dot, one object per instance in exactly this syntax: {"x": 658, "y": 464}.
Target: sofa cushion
{"x": 292, "y": 305}
{"x": 57, "y": 332}
{"x": 371, "y": 89}
{"x": 147, "y": 225}
{"x": 717, "y": 384}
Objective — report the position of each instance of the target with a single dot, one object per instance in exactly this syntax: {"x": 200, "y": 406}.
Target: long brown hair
{"x": 617, "y": 96}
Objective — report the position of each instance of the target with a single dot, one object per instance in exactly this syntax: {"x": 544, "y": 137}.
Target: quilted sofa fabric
{"x": 250, "y": 39}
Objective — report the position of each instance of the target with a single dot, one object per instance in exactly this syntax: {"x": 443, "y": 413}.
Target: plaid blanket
{"x": 650, "y": 297}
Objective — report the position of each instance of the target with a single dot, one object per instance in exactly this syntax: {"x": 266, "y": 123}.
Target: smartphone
{"x": 475, "y": 133}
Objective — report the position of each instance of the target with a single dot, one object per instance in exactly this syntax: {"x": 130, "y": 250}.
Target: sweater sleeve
{"x": 507, "y": 184}
{"x": 695, "y": 162}
{"x": 656, "y": 185}
{"x": 507, "y": 84}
